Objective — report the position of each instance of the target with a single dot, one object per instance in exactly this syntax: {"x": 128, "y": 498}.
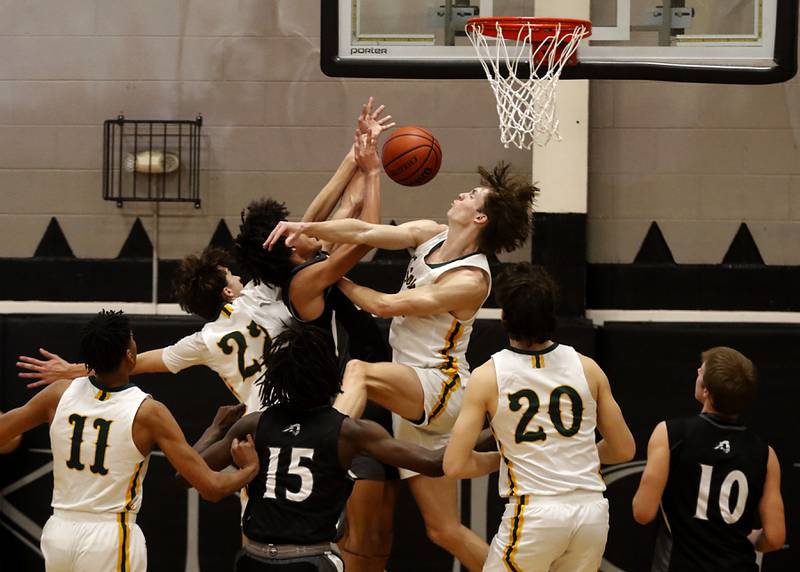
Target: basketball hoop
{"x": 526, "y": 105}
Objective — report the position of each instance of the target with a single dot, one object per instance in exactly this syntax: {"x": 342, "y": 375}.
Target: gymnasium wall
{"x": 697, "y": 159}
{"x": 273, "y": 123}
{"x": 651, "y": 368}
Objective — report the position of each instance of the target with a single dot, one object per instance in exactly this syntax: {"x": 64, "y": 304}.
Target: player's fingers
{"x": 383, "y": 120}
{"x": 30, "y": 360}
{"x": 49, "y": 355}
{"x": 378, "y": 111}
{"x": 250, "y": 439}
{"x": 36, "y": 384}
{"x": 27, "y": 375}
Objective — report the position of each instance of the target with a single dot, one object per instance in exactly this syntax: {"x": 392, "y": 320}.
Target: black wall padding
{"x": 651, "y": 368}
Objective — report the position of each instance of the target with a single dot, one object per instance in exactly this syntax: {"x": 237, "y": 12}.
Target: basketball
{"x": 411, "y": 156}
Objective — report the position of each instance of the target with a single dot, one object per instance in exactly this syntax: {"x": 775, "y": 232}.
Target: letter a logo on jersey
{"x": 294, "y": 429}
{"x": 724, "y": 446}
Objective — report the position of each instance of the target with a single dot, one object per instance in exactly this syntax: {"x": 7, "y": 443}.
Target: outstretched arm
{"x": 654, "y": 479}
{"x": 159, "y": 426}
{"x": 362, "y": 435}
{"x": 39, "y": 409}
{"x": 353, "y": 231}
{"x": 461, "y": 461}
{"x": 457, "y": 291}
{"x": 54, "y": 367}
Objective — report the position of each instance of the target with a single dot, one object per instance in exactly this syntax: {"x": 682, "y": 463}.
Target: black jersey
{"x": 324, "y": 320}
{"x": 717, "y": 471}
{"x": 301, "y": 489}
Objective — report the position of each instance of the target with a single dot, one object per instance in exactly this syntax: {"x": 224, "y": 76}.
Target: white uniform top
{"x": 96, "y": 466}
{"x": 233, "y": 345}
{"x": 545, "y": 423}
{"x": 438, "y": 340}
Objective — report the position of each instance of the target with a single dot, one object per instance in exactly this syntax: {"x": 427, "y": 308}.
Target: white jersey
{"x": 439, "y": 340}
{"x": 233, "y": 345}
{"x": 96, "y": 465}
{"x": 545, "y": 423}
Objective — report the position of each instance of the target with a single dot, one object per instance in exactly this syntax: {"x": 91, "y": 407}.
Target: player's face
{"x": 233, "y": 285}
{"x": 306, "y": 247}
{"x": 468, "y": 205}
{"x": 699, "y": 388}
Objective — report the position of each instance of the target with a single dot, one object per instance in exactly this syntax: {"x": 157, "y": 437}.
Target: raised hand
{"x": 48, "y": 370}
{"x": 371, "y": 121}
{"x": 291, "y": 230}
{"x": 244, "y": 453}
{"x": 365, "y": 150}
{"x": 227, "y": 415}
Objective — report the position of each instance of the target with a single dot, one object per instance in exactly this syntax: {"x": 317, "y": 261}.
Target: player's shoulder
{"x": 590, "y": 368}
{"x": 424, "y": 229}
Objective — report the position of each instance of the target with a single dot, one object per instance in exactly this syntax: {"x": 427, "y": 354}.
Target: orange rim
{"x": 541, "y": 28}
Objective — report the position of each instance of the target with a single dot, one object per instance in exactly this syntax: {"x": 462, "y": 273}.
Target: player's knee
{"x": 444, "y": 534}
{"x": 354, "y": 374}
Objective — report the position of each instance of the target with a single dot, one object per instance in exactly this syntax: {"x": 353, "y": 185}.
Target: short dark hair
{"x": 258, "y": 221}
{"x": 301, "y": 369}
{"x": 730, "y": 378}
{"x": 199, "y": 281}
{"x": 105, "y": 340}
{"x": 529, "y": 299}
{"x": 508, "y": 209}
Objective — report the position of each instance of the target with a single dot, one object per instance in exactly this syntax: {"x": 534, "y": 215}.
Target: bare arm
{"x": 225, "y": 417}
{"x": 654, "y": 479}
{"x": 368, "y": 436}
{"x": 218, "y": 453}
{"x": 327, "y": 198}
{"x": 353, "y": 231}
{"x": 617, "y": 445}
{"x": 770, "y": 509}
{"x": 39, "y": 409}
{"x": 160, "y": 427}
{"x": 54, "y": 367}
{"x": 460, "y": 290}
{"x": 48, "y": 370}
{"x": 461, "y": 461}
{"x": 307, "y": 290}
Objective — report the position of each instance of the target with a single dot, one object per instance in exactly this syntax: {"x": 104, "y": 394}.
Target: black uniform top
{"x": 717, "y": 471}
{"x": 301, "y": 489}
{"x": 323, "y": 320}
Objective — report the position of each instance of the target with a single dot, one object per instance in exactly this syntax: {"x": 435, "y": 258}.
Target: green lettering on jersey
{"x": 515, "y": 404}
{"x": 74, "y": 461}
{"x": 103, "y": 426}
{"x": 555, "y": 410}
{"x": 254, "y": 331}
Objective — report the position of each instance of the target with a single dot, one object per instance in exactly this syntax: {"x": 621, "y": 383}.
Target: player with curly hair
{"x": 446, "y": 283}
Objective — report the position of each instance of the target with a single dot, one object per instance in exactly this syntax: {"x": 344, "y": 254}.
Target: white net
{"x": 526, "y": 105}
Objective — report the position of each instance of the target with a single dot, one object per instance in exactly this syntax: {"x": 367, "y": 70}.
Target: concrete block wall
{"x": 699, "y": 160}
{"x": 273, "y": 123}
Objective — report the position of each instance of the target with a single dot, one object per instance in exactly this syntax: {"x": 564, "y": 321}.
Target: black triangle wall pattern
{"x": 392, "y": 255}
{"x": 138, "y": 244}
{"x": 654, "y": 249}
{"x": 53, "y": 243}
{"x": 222, "y": 237}
{"x": 743, "y": 249}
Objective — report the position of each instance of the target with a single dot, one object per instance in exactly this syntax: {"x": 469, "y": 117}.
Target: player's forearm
{"x": 473, "y": 465}
{"x": 765, "y": 542}
{"x": 151, "y": 361}
{"x": 324, "y": 203}
{"x": 367, "y": 299}
{"x": 211, "y": 435}
{"x": 220, "y": 485}
{"x": 618, "y": 453}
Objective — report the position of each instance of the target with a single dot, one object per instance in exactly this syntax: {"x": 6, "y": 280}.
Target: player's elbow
{"x": 453, "y": 467}
{"x": 627, "y": 449}
{"x": 772, "y": 539}
{"x": 212, "y": 489}
{"x": 643, "y": 514}
{"x": 383, "y": 307}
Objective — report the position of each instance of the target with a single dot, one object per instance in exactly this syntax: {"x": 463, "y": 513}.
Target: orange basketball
{"x": 411, "y": 156}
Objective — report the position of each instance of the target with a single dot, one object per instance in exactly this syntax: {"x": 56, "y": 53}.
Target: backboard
{"x": 709, "y": 41}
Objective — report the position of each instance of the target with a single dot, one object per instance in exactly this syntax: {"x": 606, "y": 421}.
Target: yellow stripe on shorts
{"x": 515, "y": 535}
{"x": 123, "y": 556}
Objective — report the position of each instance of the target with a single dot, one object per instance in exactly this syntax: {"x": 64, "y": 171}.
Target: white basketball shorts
{"x": 561, "y": 533}
{"x": 104, "y": 542}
